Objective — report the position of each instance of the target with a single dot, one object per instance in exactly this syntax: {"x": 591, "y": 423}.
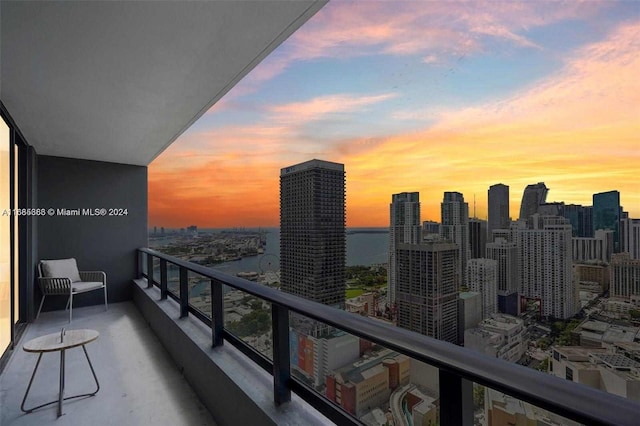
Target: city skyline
{"x": 449, "y": 97}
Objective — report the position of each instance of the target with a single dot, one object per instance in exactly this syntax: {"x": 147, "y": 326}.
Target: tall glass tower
{"x": 313, "y": 231}
{"x": 606, "y": 215}
{"x": 498, "y": 196}
{"x": 404, "y": 227}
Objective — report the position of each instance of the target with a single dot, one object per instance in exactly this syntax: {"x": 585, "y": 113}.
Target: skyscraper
{"x": 313, "y": 231}
{"x": 455, "y": 227}
{"x": 505, "y": 253}
{"x": 477, "y": 238}
{"x": 498, "y": 195}
{"x": 404, "y": 227}
{"x": 427, "y": 289}
{"x": 481, "y": 277}
{"x": 533, "y": 197}
{"x": 544, "y": 244}
{"x": 606, "y": 215}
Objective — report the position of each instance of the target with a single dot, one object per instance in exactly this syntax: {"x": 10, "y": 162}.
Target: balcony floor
{"x": 139, "y": 383}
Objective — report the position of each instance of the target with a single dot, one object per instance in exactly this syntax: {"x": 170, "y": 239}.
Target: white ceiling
{"x": 120, "y": 81}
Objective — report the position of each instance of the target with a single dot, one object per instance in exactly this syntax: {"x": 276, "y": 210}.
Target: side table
{"x": 59, "y": 342}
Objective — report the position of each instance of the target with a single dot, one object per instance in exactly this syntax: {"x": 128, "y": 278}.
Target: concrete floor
{"x": 139, "y": 383}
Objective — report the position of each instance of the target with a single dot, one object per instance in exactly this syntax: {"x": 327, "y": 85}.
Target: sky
{"x": 426, "y": 96}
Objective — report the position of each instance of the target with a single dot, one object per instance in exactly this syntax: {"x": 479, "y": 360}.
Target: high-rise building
{"x": 606, "y": 215}
{"x": 505, "y": 253}
{"x": 313, "y": 231}
{"x": 580, "y": 218}
{"x": 427, "y": 289}
{"x": 630, "y": 237}
{"x": 477, "y": 238}
{"x": 599, "y": 247}
{"x": 544, "y": 244}
{"x": 498, "y": 202}
{"x": 404, "y": 227}
{"x": 533, "y": 197}
{"x": 481, "y": 277}
{"x": 455, "y": 227}
{"x": 625, "y": 276}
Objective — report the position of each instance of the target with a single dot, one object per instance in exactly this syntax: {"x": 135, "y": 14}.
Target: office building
{"x": 544, "y": 244}
{"x": 625, "y": 276}
{"x": 427, "y": 292}
{"x": 630, "y": 237}
{"x": 593, "y": 277}
{"x": 534, "y": 196}
{"x": 312, "y": 231}
{"x": 481, "y": 277}
{"x": 404, "y": 227}
{"x": 455, "y": 227}
{"x": 477, "y": 238}
{"x": 600, "y": 247}
{"x": 507, "y": 276}
{"x": 607, "y": 215}
{"x": 498, "y": 203}
{"x": 580, "y": 218}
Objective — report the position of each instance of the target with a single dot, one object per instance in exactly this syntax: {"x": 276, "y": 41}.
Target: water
{"x": 362, "y": 249}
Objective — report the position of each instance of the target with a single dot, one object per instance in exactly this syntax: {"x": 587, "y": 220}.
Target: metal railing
{"x": 458, "y": 367}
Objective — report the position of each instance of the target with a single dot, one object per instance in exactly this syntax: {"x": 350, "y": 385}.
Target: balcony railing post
{"x": 163, "y": 279}
{"x": 217, "y": 323}
{"x": 149, "y": 270}
{"x": 281, "y": 356}
{"x": 184, "y": 292}
{"x": 456, "y": 399}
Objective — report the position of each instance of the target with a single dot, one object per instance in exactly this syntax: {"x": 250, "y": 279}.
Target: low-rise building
{"x": 367, "y": 384}
{"x": 501, "y": 336}
{"x": 599, "y": 368}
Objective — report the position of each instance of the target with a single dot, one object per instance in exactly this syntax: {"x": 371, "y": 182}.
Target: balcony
{"x": 139, "y": 383}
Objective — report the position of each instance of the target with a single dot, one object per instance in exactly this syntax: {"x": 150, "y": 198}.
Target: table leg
{"x": 29, "y": 387}
{"x": 61, "y": 390}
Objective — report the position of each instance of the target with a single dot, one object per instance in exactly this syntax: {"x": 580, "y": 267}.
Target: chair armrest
{"x": 94, "y": 276}
{"x": 54, "y": 285}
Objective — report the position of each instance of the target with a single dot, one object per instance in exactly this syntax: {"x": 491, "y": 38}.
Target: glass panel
{"x": 5, "y": 240}
{"x": 248, "y": 318}
{"x": 494, "y": 408}
{"x": 200, "y": 293}
{"x": 374, "y": 384}
{"x": 173, "y": 279}
{"x": 16, "y": 242}
{"x": 156, "y": 270}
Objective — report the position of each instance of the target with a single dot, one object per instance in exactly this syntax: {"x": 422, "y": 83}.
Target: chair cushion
{"x": 62, "y": 268}
{"x": 82, "y": 286}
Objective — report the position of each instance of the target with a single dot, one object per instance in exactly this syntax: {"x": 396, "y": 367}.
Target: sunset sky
{"x": 421, "y": 96}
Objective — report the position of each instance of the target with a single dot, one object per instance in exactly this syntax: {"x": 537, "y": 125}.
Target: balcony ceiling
{"x": 120, "y": 81}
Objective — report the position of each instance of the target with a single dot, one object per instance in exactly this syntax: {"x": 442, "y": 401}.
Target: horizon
{"x": 421, "y": 97}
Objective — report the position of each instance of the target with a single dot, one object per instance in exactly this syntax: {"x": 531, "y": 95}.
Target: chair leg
{"x": 105, "y": 299}
{"x": 70, "y": 308}
{"x": 67, "y": 305}
{"x": 41, "y": 303}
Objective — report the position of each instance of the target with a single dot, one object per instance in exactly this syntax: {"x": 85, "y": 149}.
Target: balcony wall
{"x": 106, "y": 243}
